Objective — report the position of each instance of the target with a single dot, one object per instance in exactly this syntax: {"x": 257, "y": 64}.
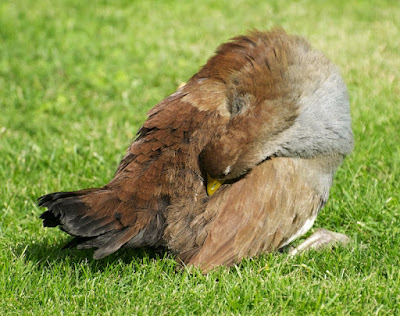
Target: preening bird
{"x": 237, "y": 162}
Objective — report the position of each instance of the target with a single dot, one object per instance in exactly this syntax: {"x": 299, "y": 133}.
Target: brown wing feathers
{"x": 158, "y": 168}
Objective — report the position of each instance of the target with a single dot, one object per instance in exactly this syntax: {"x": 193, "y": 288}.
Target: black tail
{"x": 62, "y": 207}
{"x": 91, "y": 216}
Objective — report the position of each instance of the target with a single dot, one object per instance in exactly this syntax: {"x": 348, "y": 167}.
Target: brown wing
{"x": 262, "y": 211}
{"x": 160, "y": 167}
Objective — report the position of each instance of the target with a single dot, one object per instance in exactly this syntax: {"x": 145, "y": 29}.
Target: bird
{"x": 237, "y": 162}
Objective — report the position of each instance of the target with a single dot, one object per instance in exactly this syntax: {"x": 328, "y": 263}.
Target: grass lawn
{"x": 76, "y": 81}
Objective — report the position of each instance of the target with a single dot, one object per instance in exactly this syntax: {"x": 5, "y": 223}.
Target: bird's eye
{"x": 237, "y": 104}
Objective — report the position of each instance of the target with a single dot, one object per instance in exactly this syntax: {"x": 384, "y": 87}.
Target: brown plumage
{"x": 267, "y": 116}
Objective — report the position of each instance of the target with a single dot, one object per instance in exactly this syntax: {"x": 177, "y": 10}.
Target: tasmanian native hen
{"x": 237, "y": 162}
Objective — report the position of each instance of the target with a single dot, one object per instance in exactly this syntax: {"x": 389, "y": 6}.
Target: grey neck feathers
{"x": 323, "y": 126}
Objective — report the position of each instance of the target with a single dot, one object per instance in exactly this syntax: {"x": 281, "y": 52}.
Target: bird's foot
{"x": 322, "y": 238}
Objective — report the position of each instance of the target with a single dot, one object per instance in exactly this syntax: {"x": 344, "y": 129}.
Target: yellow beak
{"x": 212, "y": 185}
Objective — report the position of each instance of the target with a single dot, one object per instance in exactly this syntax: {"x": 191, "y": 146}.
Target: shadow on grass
{"x": 43, "y": 255}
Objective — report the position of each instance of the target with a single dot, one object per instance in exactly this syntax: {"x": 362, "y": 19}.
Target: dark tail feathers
{"x": 59, "y": 204}
{"x": 101, "y": 227}
{"x": 74, "y": 216}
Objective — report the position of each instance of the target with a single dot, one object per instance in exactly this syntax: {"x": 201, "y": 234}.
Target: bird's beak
{"x": 212, "y": 185}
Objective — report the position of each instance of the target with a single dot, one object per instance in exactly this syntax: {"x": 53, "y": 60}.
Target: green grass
{"x": 76, "y": 81}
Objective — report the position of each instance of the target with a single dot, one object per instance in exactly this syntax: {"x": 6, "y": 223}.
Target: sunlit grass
{"x": 76, "y": 81}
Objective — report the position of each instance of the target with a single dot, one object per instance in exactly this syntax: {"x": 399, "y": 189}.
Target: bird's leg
{"x": 322, "y": 238}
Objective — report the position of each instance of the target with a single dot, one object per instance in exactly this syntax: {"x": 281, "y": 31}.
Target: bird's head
{"x": 283, "y": 98}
